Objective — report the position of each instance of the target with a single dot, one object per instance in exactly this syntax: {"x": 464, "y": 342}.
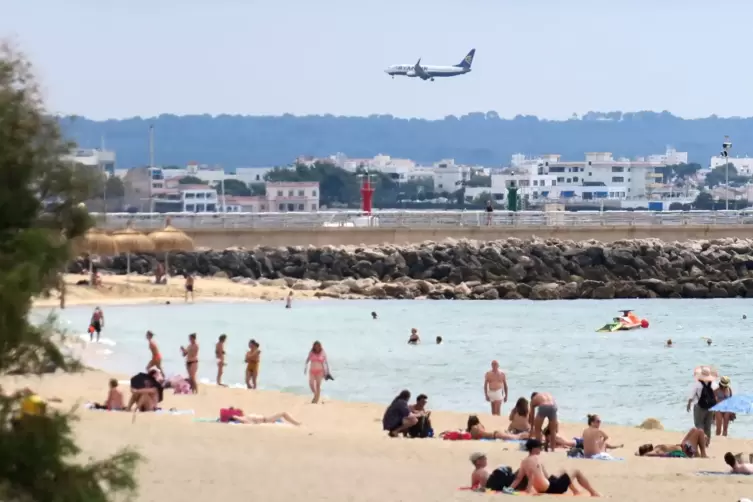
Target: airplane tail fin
{"x": 467, "y": 60}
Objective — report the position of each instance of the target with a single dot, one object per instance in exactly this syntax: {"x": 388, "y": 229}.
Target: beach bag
{"x": 227, "y": 414}
{"x": 707, "y": 399}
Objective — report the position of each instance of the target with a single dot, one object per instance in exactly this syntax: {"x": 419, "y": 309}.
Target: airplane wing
{"x": 420, "y": 71}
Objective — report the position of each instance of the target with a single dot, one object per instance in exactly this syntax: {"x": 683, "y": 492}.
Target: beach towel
{"x": 721, "y": 473}
{"x": 218, "y": 421}
{"x": 522, "y": 494}
{"x": 171, "y": 411}
{"x": 599, "y": 456}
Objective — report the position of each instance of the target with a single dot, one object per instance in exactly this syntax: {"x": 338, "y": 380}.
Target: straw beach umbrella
{"x": 171, "y": 239}
{"x": 130, "y": 241}
{"x": 95, "y": 242}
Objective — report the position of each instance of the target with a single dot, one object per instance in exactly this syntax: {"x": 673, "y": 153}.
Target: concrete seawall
{"x": 225, "y": 238}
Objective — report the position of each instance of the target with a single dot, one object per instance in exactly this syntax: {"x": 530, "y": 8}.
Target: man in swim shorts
{"x": 495, "y": 388}
{"x": 539, "y": 481}
{"x": 547, "y": 410}
{"x": 96, "y": 324}
{"x": 156, "y": 359}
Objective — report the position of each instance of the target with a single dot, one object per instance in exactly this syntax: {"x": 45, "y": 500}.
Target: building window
{"x": 291, "y": 207}
{"x": 301, "y": 193}
{"x": 200, "y": 208}
{"x": 439, "y": 186}
{"x": 301, "y": 208}
{"x": 211, "y": 208}
{"x": 282, "y": 207}
{"x": 535, "y": 183}
{"x": 290, "y": 193}
{"x": 618, "y": 179}
{"x": 279, "y": 193}
{"x": 190, "y": 208}
{"x": 258, "y": 178}
{"x": 189, "y": 195}
{"x": 263, "y": 207}
{"x": 554, "y": 183}
{"x": 569, "y": 180}
{"x": 313, "y": 192}
{"x": 618, "y": 169}
{"x": 561, "y": 179}
{"x": 313, "y": 207}
{"x": 575, "y": 178}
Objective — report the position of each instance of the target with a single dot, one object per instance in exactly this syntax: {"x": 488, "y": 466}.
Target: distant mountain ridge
{"x": 475, "y": 138}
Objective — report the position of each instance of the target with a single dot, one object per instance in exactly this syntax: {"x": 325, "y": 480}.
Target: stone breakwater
{"x": 505, "y": 269}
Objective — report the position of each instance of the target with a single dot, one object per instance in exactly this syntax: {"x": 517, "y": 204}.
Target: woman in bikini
{"x": 519, "y": 418}
{"x": 477, "y": 431}
{"x": 192, "y": 361}
{"x": 723, "y": 418}
{"x": 252, "y": 363}
{"x": 156, "y": 360}
{"x": 318, "y": 369}
{"x": 693, "y": 445}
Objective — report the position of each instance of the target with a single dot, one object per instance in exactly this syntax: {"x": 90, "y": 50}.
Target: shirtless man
{"x": 189, "y": 286}
{"x": 156, "y": 360}
{"x": 97, "y": 323}
{"x": 495, "y": 388}
{"x": 114, "y": 401}
{"x": 219, "y": 353}
{"x": 547, "y": 410}
{"x": 737, "y": 467}
{"x": 693, "y": 445}
{"x": 192, "y": 361}
{"x": 539, "y": 481}
{"x": 595, "y": 440}
{"x": 414, "y": 339}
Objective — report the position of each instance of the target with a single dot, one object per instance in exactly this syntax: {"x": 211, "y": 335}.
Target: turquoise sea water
{"x": 542, "y": 346}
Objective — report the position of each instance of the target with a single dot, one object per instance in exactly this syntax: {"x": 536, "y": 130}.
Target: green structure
{"x": 513, "y": 202}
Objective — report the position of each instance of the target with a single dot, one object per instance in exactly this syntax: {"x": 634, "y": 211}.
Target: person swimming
{"x": 374, "y": 315}
{"x": 414, "y": 339}
{"x": 439, "y": 340}
{"x": 669, "y": 342}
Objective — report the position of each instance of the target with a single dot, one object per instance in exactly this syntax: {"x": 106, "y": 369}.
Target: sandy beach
{"x": 134, "y": 289}
{"x": 340, "y": 453}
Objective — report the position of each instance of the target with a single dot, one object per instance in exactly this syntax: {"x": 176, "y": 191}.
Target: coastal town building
{"x": 93, "y": 157}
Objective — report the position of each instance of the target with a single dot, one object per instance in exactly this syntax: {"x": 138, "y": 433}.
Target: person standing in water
{"x": 318, "y": 369}
{"x": 289, "y": 301}
{"x": 252, "y": 363}
{"x": 414, "y": 339}
{"x": 156, "y": 360}
{"x": 495, "y": 388}
{"x": 189, "y": 286}
{"x": 191, "y": 353}
{"x": 97, "y": 323}
{"x": 219, "y": 353}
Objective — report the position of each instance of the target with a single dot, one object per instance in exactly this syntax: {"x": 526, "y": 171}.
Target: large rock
{"x": 505, "y": 269}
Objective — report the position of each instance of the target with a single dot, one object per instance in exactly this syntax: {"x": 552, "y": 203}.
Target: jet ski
{"x": 626, "y": 322}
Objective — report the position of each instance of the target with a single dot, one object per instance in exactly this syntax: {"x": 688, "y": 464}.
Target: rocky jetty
{"x": 505, "y": 269}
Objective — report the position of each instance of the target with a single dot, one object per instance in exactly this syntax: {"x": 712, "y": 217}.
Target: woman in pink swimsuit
{"x": 318, "y": 369}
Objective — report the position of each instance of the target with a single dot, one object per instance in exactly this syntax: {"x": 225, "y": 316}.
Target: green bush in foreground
{"x": 39, "y": 215}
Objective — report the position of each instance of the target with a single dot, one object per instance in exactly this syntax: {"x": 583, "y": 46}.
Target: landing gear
{"x": 432, "y": 79}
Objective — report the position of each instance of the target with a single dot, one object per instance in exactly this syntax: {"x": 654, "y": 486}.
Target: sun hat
{"x": 724, "y": 381}
{"x": 705, "y": 374}
{"x": 475, "y": 457}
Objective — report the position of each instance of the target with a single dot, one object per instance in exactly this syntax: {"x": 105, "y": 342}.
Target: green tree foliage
{"x": 234, "y": 188}
{"x": 258, "y": 188}
{"x": 39, "y": 215}
{"x": 677, "y": 172}
{"x": 718, "y": 176}
{"x": 114, "y": 187}
{"x": 191, "y": 180}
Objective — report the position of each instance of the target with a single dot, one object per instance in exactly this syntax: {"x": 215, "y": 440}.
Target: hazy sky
{"x": 107, "y": 59}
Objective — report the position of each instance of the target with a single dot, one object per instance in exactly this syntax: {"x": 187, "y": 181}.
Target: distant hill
{"x": 476, "y": 138}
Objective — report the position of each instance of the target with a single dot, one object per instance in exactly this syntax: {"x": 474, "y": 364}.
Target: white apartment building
{"x": 252, "y": 204}
{"x": 185, "y": 199}
{"x": 669, "y": 158}
{"x": 743, "y": 165}
{"x": 293, "y": 196}
{"x": 104, "y": 159}
{"x": 449, "y": 176}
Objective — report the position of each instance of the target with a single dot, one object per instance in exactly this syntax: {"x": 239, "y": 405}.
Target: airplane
{"x": 430, "y": 72}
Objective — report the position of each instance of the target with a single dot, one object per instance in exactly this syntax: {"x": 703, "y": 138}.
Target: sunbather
{"x": 738, "y": 467}
{"x": 560, "y": 441}
{"x": 244, "y": 419}
{"x": 693, "y": 445}
{"x": 595, "y": 440}
{"x": 477, "y": 431}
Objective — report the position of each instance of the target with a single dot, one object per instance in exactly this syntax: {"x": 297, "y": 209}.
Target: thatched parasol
{"x": 132, "y": 241}
{"x": 171, "y": 239}
{"x": 95, "y": 242}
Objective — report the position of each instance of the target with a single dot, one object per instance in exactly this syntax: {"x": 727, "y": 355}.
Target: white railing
{"x": 420, "y": 219}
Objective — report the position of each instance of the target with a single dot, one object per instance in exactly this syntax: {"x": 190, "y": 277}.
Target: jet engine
{"x": 410, "y": 73}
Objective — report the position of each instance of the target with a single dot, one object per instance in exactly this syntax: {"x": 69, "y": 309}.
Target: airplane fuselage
{"x": 408, "y": 70}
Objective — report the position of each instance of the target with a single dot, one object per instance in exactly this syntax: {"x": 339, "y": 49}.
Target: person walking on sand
{"x": 495, "y": 388}
{"x": 723, "y": 418}
{"x": 96, "y": 324}
{"x": 156, "y": 359}
{"x": 547, "y": 410}
{"x": 189, "y": 286}
{"x": 289, "y": 301}
{"x": 253, "y": 357}
{"x": 318, "y": 369}
{"x": 702, "y": 399}
{"x": 191, "y": 353}
{"x": 219, "y": 353}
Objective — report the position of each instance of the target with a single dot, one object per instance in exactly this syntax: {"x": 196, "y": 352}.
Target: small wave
{"x": 102, "y": 341}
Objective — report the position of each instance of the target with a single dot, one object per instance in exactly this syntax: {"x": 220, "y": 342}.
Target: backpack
{"x": 707, "y": 400}
{"x": 502, "y": 477}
